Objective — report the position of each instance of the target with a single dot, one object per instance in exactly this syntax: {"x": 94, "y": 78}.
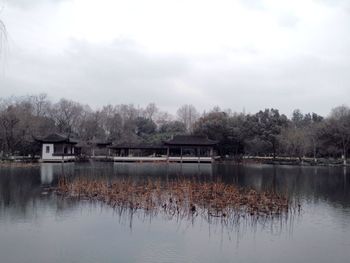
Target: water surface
{"x": 38, "y": 226}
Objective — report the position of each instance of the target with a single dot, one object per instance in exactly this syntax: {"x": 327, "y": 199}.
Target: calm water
{"x": 37, "y": 226}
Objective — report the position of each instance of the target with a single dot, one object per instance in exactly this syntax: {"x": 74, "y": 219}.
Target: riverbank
{"x": 294, "y": 161}
{"x": 18, "y": 161}
{"x": 332, "y": 162}
{"x": 5, "y": 164}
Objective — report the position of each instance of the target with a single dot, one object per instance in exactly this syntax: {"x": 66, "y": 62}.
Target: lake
{"x": 36, "y": 225}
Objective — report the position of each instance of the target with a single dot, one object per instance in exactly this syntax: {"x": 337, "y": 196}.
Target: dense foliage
{"x": 265, "y": 133}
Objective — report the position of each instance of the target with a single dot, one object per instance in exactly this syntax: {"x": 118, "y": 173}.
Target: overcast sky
{"x": 244, "y": 54}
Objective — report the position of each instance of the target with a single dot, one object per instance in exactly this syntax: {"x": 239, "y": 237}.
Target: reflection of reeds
{"x": 181, "y": 197}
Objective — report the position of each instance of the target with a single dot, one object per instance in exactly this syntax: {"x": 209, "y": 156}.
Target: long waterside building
{"x": 181, "y": 148}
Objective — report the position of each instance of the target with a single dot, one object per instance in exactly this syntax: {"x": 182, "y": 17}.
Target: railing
{"x": 63, "y": 154}
{"x": 59, "y": 158}
{"x": 184, "y": 159}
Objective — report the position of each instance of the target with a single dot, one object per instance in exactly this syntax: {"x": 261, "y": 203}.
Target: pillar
{"x": 199, "y": 154}
{"x": 181, "y": 154}
{"x": 167, "y": 154}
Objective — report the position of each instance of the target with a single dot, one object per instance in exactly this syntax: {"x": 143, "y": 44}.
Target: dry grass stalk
{"x": 178, "y": 197}
{"x": 17, "y": 164}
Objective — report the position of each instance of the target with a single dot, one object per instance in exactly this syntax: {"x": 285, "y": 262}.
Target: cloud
{"x": 254, "y": 4}
{"x": 120, "y": 72}
{"x": 287, "y": 19}
{"x": 125, "y": 72}
{"x": 332, "y": 3}
{"x": 306, "y": 82}
{"x": 27, "y": 4}
{"x": 235, "y": 54}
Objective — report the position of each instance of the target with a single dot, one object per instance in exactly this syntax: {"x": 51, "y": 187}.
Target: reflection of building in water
{"x": 50, "y": 171}
{"x": 163, "y": 169}
{"x": 46, "y": 173}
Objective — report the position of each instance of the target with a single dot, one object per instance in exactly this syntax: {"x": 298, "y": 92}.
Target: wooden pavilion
{"x": 57, "y": 148}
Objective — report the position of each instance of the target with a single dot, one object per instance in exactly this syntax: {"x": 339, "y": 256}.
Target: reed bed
{"x": 179, "y": 197}
{"x": 18, "y": 164}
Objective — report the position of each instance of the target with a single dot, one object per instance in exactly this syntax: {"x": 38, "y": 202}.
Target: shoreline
{"x": 293, "y": 161}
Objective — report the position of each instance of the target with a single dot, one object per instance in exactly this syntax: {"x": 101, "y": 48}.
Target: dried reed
{"x": 17, "y": 164}
{"x": 180, "y": 197}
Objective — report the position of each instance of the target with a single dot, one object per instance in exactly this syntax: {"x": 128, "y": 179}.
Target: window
{"x": 47, "y": 149}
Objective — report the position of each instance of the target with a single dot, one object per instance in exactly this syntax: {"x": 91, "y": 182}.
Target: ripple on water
{"x": 155, "y": 252}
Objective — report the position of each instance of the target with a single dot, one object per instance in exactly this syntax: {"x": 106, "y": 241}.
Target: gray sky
{"x": 247, "y": 54}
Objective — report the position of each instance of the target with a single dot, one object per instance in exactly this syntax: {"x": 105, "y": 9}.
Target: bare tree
{"x": 8, "y": 123}
{"x": 3, "y": 36}
{"x": 127, "y": 112}
{"x": 91, "y": 126}
{"x": 17, "y": 124}
{"x": 150, "y": 111}
{"x": 338, "y": 126}
{"x": 188, "y": 115}
{"x": 41, "y": 104}
{"x": 295, "y": 141}
{"x": 162, "y": 118}
{"x": 111, "y": 122}
{"x": 67, "y": 115}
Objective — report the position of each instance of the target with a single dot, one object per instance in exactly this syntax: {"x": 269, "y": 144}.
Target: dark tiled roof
{"x": 57, "y": 138}
{"x": 143, "y": 146}
{"x": 92, "y": 143}
{"x": 193, "y": 140}
{"x": 99, "y": 142}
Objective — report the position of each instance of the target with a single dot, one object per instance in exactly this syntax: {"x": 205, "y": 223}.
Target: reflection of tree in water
{"x": 331, "y": 184}
{"x": 22, "y": 190}
{"x": 19, "y": 192}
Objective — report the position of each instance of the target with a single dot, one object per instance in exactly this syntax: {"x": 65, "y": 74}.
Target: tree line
{"x": 265, "y": 133}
